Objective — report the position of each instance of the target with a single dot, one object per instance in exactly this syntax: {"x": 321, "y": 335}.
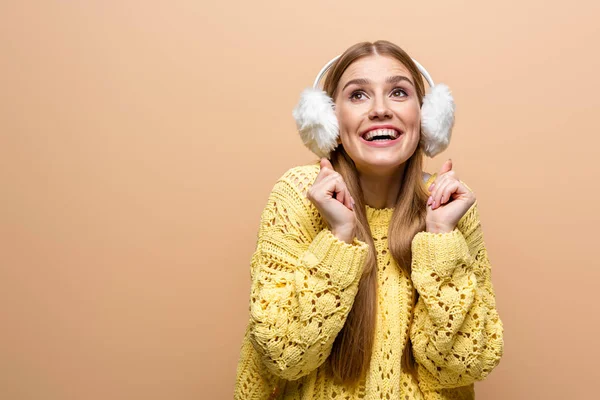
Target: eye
{"x": 400, "y": 90}
{"x": 352, "y": 96}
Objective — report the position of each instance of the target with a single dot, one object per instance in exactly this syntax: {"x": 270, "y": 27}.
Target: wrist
{"x": 438, "y": 228}
{"x": 344, "y": 235}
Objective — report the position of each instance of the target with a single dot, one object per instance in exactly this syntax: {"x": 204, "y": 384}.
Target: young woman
{"x": 370, "y": 278}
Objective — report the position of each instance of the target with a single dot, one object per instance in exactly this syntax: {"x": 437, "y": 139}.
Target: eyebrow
{"x": 389, "y": 79}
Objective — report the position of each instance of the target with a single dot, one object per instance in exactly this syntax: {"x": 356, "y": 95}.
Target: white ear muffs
{"x": 319, "y": 130}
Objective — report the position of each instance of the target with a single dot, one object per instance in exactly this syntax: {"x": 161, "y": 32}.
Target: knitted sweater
{"x": 304, "y": 280}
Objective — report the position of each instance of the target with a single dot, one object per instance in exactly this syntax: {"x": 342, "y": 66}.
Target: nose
{"x": 380, "y": 110}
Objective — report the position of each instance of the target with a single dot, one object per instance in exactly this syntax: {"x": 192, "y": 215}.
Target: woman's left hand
{"x": 450, "y": 199}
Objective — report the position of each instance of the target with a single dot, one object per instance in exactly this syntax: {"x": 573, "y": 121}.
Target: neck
{"x": 380, "y": 189}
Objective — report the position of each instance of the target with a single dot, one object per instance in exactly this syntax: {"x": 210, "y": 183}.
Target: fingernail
{"x": 353, "y": 204}
{"x": 429, "y": 200}
{"x": 431, "y": 186}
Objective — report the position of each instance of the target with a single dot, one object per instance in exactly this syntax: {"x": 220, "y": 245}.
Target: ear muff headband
{"x": 422, "y": 70}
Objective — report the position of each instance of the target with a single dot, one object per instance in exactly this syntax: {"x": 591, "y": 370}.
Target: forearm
{"x": 442, "y": 274}
{"x": 298, "y": 310}
{"x": 456, "y": 331}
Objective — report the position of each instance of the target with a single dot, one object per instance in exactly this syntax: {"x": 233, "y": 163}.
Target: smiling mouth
{"x": 381, "y": 135}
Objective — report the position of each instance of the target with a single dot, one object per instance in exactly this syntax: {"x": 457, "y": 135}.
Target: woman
{"x": 370, "y": 278}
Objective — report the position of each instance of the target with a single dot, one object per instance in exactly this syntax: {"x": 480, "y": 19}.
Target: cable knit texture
{"x": 303, "y": 284}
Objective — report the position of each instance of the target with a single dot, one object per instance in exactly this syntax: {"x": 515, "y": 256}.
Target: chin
{"x": 381, "y": 163}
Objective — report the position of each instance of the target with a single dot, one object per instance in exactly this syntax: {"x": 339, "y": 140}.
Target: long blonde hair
{"x": 352, "y": 349}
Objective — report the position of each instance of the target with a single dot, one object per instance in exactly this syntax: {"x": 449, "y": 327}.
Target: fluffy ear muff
{"x": 437, "y": 119}
{"x": 316, "y": 121}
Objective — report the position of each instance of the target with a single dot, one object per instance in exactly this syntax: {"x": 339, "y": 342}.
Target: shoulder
{"x": 289, "y": 192}
{"x": 428, "y": 178}
{"x": 292, "y": 185}
{"x": 300, "y": 177}
{"x": 302, "y": 171}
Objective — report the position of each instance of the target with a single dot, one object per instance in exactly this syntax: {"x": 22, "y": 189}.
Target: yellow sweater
{"x": 304, "y": 281}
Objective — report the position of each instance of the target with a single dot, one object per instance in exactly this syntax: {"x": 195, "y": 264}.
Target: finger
{"x": 447, "y": 166}
{"x": 325, "y": 163}
{"x": 433, "y": 183}
{"x": 342, "y": 194}
{"x": 340, "y": 190}
{"x": 440, "y": 179}
{"x": 446, "y": 192}
{"x": 324, "y": 173}
{"x": 438, "y": 192}
{"x": 348, "y": 199}
{"x": 449, "y": 190}
{"x": 461, "y": 189}
{"x": 438, "y": 183}
{"x": 325, "y": 170}
{"x": 331, "y": 183}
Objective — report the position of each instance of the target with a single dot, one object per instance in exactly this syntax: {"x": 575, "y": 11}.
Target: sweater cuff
{"x": 341, "y": 261}
{"x": 468, "y": 222}
{"x": 441, "y": 252}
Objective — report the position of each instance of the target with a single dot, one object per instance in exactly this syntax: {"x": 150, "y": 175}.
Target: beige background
{"x": 140, "y": 140}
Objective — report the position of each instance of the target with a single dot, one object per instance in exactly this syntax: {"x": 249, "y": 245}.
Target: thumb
{"x": 325, "y": 163}
{"x": 447, "y": 166}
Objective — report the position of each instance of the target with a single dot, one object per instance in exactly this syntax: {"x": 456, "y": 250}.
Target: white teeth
{"x": 380, "y": 132}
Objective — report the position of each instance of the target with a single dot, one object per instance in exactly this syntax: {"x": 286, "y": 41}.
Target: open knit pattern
{"x": 304, "y": 281}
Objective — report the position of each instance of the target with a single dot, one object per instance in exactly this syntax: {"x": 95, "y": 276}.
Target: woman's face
{"x": 378, "y": 91}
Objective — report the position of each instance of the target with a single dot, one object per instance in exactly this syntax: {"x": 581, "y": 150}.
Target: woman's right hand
{"x": 331, "y": 197}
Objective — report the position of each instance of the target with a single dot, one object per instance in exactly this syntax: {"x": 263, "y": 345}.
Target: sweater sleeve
{"x": 457, "y": 334}
{"x": 304, "y": 281}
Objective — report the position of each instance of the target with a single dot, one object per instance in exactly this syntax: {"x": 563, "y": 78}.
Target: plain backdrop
{"x": 140, "y": 141}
